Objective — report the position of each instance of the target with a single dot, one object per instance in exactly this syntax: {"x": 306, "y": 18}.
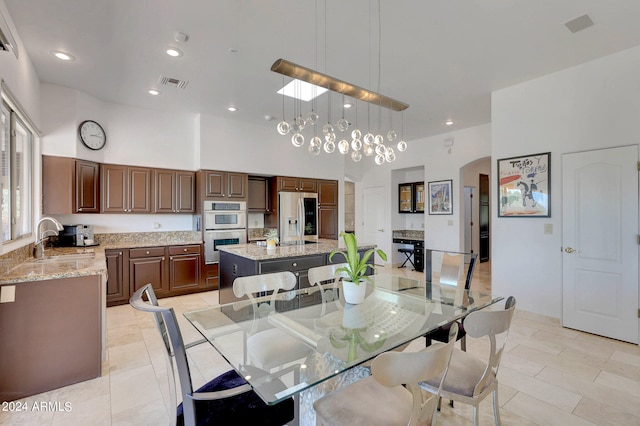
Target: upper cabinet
{"x": 411, "y": 197}
{"x": 328, "y": 209}
{"x": 70, "y": 186}
{"x": 285, "y": 183}
{"x": 259, "y": 195}
{"x": 225, "y": 185}
{"x": 126, "y": 189}
{"x": 174, "y": 191}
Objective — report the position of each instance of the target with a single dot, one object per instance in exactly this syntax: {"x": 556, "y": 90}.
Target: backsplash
{"x": 408, "y": 233}
{"x": 15, "y": 257}
{"x": 151, "y": 238}
{"x": 257, "y": 234}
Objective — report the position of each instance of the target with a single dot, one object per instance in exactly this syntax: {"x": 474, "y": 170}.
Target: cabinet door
{"x": 288, "y": 183}
{"x": 237, "y": 185}
{"x": 185, "y": 200}
{"x": 184, "y": 271}
{"x": 328, "y": 222}
{"x": 215, "y": 183}
{"x": 327, "y": 192}
{"x": 146, "y": 270}
{"x": 419, "y": 197}
{"x": 140, "y": 190}
{"x": 307, "y": 185}
{"x": 258, "y": 195}
{"x": 405, "y": 194}
{"x": 117, "y": 287}
{"x": 165, "y": 182}
{"x": 87, "y": 184}
{"x": 114, "y": 188}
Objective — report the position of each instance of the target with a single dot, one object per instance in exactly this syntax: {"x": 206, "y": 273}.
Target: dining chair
{"x": 322, "y": 276}
{"x": 450, "y": 273}
{"x": 225, "y": 399}
{"x": 392, "y": 395}
{"x": 269, "y": 347}
{"x": 469, "y": 379}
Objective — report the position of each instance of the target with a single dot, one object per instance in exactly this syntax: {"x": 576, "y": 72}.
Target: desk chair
{"x": 392, "y": 395}
{"x": 269, "y": 347}
{"x": 227, "y": 399}
{"x": 469, "y": 380}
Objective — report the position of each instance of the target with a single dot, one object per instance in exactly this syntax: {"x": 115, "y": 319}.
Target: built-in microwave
{"x": 225, "y": 215}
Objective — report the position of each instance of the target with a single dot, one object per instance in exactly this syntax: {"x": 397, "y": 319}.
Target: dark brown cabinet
{"x": 184, "y": 267}
{"x": 327, "y": 209}
{"x": 259, "y": 197}
{"x": 172, "y": 270}
{"x": 70, "y": 186}
{"x": 174, "y": 191}
{"x": 286, "y": 183}
{"x": 225, "y": 185}
{"x": 148, "y": 265}
{"x": 126, "y": 189}
{"x": 117, "y": 282}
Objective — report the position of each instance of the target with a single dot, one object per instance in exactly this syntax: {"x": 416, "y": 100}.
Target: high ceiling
{"x": 442, "y": 57}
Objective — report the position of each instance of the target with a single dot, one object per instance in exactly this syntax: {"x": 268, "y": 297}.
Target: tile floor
{"x": 549, "y": 375}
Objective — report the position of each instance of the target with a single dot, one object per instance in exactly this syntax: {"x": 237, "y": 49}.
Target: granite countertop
{"x": 408, "y": 234}
{"x": 256, "y": 252}
{"x": 59, "y": 263}
{"x": 68, "y": 262}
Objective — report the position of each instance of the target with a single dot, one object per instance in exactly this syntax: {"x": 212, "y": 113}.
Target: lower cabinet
{"x": 298, "y": 265}
{"x": 171, "y": 270}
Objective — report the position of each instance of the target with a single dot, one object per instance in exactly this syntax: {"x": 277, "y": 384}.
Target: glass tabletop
{"x": 285, "y": 344}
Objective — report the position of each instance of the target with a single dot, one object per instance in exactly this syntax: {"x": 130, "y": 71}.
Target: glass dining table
{"x": 286, "y": 343}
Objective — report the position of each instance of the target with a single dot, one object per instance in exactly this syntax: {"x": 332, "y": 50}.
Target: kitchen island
{"x": 251, "y": 259}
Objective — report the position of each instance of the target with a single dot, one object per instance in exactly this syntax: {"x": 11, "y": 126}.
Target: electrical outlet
{"x": 7, "y": 293}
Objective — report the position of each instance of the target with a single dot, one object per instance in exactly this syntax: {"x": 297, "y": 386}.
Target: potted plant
{"x": 355, "y": 268}
{"x": 272, "y": 238}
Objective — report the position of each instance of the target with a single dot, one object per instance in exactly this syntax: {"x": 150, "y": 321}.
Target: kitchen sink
{"x": 67, "y": 257}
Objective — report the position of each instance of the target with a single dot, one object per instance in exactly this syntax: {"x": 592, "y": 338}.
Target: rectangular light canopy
{"x": 302, "y": 90}
{"x": 282, "y": 66}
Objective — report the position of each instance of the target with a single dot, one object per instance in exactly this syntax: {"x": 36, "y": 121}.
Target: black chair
{"x": 227, "y": 399}
{"x": 408, "y": 252}
{"x": 442, "y": 334}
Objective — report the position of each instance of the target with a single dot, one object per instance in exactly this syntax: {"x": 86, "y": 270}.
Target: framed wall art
{"x": 524, "y": 185}
{"x": 440, "y": 199}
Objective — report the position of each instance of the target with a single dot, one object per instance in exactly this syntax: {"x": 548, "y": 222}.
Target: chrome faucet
{"x": 38, "y": 244}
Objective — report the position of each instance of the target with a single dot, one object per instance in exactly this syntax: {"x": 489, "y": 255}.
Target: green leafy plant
{"x": 272, "y": 234}
{"x": 356, "y": 267}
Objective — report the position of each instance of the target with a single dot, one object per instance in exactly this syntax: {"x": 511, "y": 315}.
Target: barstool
{"x": 408, "y": 252}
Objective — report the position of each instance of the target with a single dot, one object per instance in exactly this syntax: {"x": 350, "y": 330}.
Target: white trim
{"x": 15, "y": 105}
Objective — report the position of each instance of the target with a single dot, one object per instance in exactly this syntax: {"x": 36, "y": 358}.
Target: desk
{"x": 395, "y": 311}
{"x": 418, "y": 251}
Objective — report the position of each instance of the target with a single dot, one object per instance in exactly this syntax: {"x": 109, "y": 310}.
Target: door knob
{"x": 569, "y": 250}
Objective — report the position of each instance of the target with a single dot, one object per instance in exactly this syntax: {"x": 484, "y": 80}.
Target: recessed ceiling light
{"x": 154, "y": 92}
{"x": 62, "y": 55}
{"x": 172, "y": 51}
{"x": 232, "y": 109}
{"x": 448, "y": 122}
{"x": 348, "y": 105}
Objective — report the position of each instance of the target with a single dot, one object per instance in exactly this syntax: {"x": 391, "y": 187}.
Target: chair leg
{"x": 496, "y": 408}
{"x": 463, "y": 343}
{"x": 476, "y": 416}
{"x": 439, "y": 403}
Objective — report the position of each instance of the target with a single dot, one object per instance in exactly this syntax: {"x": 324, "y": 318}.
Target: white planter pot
{"x": 354, "y": 293}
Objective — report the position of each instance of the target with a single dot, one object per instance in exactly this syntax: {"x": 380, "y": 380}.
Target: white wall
{"x": 441, "y": 231}
{"x": 591, "y": 106}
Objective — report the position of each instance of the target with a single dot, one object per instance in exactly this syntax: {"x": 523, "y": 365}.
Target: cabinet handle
{"x": 295, "y": 264}
{"x": 147, "y": 252}
{"x": 80, "y": 209}
{"x": 185, "y": 250}
{"x": 171, "y": 258}
{"x": 297, "y": 274}
{"x": 162, "y": 257}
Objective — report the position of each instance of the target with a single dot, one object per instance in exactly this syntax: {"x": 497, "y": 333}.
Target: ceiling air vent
{"x": 173, "y": 82}
{"x": 579, "y": 23}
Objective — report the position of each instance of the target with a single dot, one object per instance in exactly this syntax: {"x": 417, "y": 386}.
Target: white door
{"x": 600, "y": 246}
{"x": 373, "y": 231}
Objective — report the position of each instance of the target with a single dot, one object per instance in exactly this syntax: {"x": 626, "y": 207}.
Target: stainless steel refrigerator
{"x": 298, "y": 213}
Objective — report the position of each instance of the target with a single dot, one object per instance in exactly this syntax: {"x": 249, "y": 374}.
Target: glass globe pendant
{"x": 368, "y": 139}
{"x": 283, "y": 127}
{"x": 356, "y": 134}
{"x": 356, "y": 156}
{"x": 391, "y": 135}
{"x": 402, "y": 146}
{"x": 381, "y": 149}
{"x": 368, "y": 150}
{"x": 329, "y": 147}
{"x": 297, "y": 140}
{"x": 390, "y": 155}
{"x": 378, "y": 139}
{"x": 314, "y": 149}
{"x": 312, "y": 118}
{"x": 343, "y": 146}
{"x": 316, "y": 141}
{"x": 356, "y": 144}
{"x": 379, "y": 159}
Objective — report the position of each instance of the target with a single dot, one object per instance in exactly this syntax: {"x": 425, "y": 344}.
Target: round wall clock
{"x": 92, "y": 135}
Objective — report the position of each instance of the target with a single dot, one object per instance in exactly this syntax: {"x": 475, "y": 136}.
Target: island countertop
{"x": 256, "y": 252}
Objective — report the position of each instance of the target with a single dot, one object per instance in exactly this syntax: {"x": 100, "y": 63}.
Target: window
{"x": 16, "y": 159}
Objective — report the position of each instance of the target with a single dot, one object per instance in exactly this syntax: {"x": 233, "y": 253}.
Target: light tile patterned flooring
{"x": 549, "y": 375}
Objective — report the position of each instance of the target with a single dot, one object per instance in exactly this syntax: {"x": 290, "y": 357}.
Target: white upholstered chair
{"x": 382, "y": 399}
{"x": 270, "y": 347}
{"x": 469, "y": 379}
